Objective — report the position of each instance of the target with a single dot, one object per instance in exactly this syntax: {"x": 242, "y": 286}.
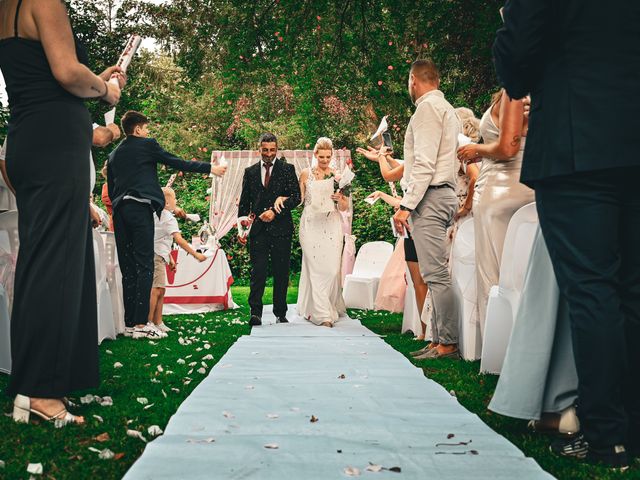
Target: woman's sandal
{"x": 563, "y": 423}
{"x": 22, "y": 411}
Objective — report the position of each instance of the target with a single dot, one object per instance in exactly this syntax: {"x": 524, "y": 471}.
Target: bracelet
{"x": 106, "y": 92}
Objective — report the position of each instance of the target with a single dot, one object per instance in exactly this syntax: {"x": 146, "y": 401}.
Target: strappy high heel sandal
{"x": 22, "y": 411}
{"x": 565, "y": 423}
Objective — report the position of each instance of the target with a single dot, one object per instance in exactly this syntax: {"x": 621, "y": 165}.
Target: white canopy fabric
{"x": 225, "y": 191}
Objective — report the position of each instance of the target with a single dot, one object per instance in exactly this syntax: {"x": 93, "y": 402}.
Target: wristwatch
{"x": 405, "y": 209}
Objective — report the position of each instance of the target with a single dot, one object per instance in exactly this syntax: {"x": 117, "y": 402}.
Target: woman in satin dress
{"x": 503, "y": 128}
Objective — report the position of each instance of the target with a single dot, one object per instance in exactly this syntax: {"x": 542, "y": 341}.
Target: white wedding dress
{"x": 321, "y": 238}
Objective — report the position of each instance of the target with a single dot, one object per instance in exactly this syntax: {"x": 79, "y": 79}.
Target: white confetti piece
{"x": 193, "y": 364}
{"x": 142, "y": 400}
{"x": 99, "y": 418}
{"x": 207, "y": 346}
{"x": 106, "y": 402}
{"x": 180, "y": 361}
{"x": 176, "y": 390}
{"x": 154, "y": 355}
{"x": 164, "y": 394}
{"x": 206, "y": 440}
{"x": 35, "y": 469}
{"x": 160, "y": 369}
{"x": 136, "y": 434}
{"x": 228, "y": 414}
{"x": 154, "y": 430}
{"x": 155, "y": 380}
{"x": 2, "y": 464}
{"x": 109, "y": 352}
{"x": 202, "y": 371}
{"x": 117, "y": 365}
{"x": 87, "y": 399}
{"x": 208, "y": 357}
{"x": 374, "y": 468}
{"x": 272, "y": 446}
{"x": 352, "y": 472}
{"x": 273, "y": 416}
{"x": 147, "y": 407}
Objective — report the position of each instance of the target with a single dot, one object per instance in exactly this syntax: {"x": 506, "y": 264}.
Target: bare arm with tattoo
{"x": 512, "y": 125}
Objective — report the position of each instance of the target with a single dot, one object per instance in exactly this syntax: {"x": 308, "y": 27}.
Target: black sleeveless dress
{"x": 54, "y": 339}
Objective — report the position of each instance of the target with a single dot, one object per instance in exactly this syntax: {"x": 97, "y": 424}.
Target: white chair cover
{"x": 505, "y": 297}
{"x": 9, "y": 244}
{"x": 463, "y": 276}
{"x": 106, "y": 325}
{"x": 410, "y": 316}
{"x": 114, "y": 280}
{"x": 361, "y": 286}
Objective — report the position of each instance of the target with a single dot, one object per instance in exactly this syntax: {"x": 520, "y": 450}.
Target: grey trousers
{"x": 431, "y": 218}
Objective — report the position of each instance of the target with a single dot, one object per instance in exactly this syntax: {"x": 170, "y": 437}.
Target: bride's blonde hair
{"x": 323, "y": 143}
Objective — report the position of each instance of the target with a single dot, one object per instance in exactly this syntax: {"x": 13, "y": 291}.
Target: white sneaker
{"x": 163, "y": 328}
{"x": 145, "y": 332}
{"x": 128, "y": 331}
{"x": 157, "y": 329}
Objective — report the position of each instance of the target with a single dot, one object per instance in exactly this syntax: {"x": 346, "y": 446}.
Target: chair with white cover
{"x": 361, "y": 286}
{"x": 9, "y": 244}
{"x": 114, "y": 280}
{"x": 463, "y": 277}
{"x": 106, "y": 325}
{"x": 504, "y": 298}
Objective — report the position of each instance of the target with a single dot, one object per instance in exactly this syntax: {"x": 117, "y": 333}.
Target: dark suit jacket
{"x": 256, "y": 199}
{"x": 580, "y": 60}
{"x": 132, "y": 169}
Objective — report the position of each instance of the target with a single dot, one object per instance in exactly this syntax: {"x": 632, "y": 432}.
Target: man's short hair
{"x": 426, "y": 71}
{"x": 268, "y": 138}
{"x": 131, "y": 120}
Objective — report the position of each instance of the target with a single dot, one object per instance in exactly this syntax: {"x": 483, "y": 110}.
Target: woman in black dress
{"x": 54, "y": 346}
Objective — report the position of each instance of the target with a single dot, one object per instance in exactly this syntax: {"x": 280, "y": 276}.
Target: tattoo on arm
{"x": 516, "y": 141}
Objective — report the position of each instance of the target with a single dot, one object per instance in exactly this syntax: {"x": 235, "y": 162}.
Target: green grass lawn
{"x": 474, "y": 392}
{"x": 64, "y": 453}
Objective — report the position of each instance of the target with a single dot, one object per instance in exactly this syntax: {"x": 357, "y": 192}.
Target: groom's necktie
{"x": 267, "y": 175}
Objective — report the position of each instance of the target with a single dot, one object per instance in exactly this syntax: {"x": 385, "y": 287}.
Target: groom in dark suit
{"x": 580, "y": 60}
{"x": 271, "y": 232}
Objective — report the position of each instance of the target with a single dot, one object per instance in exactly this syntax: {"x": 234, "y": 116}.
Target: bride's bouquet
{"x": 244, "y": 227}
{"x": 342, "y": 182}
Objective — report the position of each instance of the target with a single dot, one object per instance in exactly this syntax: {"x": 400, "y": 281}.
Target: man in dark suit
{"x": 271, "y": 232}
{"x": 580, "y": 60}
{"x": 135, "y": 193}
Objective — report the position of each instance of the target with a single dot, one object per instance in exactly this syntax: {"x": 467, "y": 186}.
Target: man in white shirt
{"x": 430, "y": 200}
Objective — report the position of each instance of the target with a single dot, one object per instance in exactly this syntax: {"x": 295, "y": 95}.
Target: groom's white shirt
{"x": 430, "y": 147}
{"x": 263, "y": 171}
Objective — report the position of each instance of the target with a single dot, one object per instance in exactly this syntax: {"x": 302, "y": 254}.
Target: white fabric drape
{"x": 225, "y": 191}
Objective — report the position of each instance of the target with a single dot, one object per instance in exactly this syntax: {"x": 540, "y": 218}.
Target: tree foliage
{"x": 227, "y": 70}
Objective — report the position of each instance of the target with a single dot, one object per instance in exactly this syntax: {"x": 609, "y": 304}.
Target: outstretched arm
{"x": 186, "y": 246}
{"x": 166, "y": 158}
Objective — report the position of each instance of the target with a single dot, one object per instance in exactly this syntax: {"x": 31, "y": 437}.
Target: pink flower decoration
{"x": 390, "y": 67}
{"x": 390, "y": 43}
{"x": 379, "y": 82}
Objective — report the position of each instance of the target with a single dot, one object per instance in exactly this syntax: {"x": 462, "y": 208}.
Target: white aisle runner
{"x": 325, "y": 400}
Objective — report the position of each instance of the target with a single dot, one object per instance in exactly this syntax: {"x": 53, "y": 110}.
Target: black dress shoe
{"x": 282, "y": 320}
{"x": 614, "y": 457}
{"x": 255, "y": 321}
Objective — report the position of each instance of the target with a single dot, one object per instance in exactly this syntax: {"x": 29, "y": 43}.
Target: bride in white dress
{"x": 320, "y": 291}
